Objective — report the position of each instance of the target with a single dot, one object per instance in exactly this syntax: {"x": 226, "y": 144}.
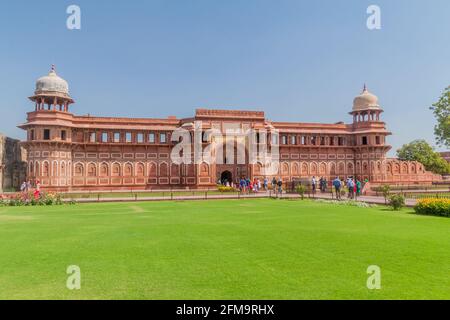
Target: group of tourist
{"x": 27, "y": 186}
{"x": 245, "y": 185}
{"x": 323, "y": 183}
{"x": 354, "y": 187}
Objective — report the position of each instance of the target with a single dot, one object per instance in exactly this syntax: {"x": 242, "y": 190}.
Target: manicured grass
{"x": 222, "y": 249}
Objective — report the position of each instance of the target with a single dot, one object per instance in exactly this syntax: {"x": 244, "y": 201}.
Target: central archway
{"x": 226, "y": 176}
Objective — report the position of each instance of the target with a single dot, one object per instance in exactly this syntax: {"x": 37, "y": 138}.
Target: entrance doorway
{"x": 225, "y": 177}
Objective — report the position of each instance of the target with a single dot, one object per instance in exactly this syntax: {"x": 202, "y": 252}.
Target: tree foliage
{"x": 441, "y": 110}
{"x": 421, "y": 151}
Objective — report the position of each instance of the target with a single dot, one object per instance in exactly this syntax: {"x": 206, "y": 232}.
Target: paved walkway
{"x": 368, "y": 199}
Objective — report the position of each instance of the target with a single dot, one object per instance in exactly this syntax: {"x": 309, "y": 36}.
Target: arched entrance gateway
{"x": 226, "y": 176}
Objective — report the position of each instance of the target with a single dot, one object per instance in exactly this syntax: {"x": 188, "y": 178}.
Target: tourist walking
{"x": 358, "y": 187}
{"x": 280, "y": 186}
{"x": 313, "y": 184}
{"x": 266, "y": 183}
{"x": 337, "y": 187}
{"x": 350, "y": 187}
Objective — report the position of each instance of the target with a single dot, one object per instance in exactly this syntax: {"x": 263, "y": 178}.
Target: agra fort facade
{"x": 70, "y": 152}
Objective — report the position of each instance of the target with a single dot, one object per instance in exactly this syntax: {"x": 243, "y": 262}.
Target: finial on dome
{"x": 365, "y": 87}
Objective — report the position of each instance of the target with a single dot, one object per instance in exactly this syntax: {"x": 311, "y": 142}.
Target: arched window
{"x": 79, "y": 170}
{"x": 104, "y": 169}
{"x": 285, "y": 169}
{"x": 332, "y": 168}
{"x": 350, "y": 168}
{"x": 128, "y": 170}
{"x": 304, "y": 168}
{"x": 163, "y": 170}
{"x": 92, "y": 170}
{"x": 115, "y": 171}
{"x": 323, "y": 168}
{"x": 45, "y": 169}
{"x": 313, "y": 168}
{"x": 152, "y": 171}
{"x": 140, "y": 170}
{"x": 204, "y": 169}
{"x": 55, "y": 169}
{"x": 175, "y": 170}
{"x": 341, "y": 168}
{"x": 294, "y": 168}
{"x": 63, "y": 169}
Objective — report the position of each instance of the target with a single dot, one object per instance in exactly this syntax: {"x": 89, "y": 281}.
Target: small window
{"x": 92, "y": 137}
{"x": 364, "y": 141}
{"x": 284, "y": 139}
{"x": 116, "y": 137}
{"x": 322, "y": 141}
{"x": 63, "y": 135}
{"x": 257, "y": 137}
{"x": 331, "y": 141}
{"x": 340, "y": 141}
{"x": 46, "y": 134}
{"x": 304, "y": 140}
{"x": 104, "y": 137}
{"x": 151, "y": 137}
{"x": 378, "y": 140}
{"x": 313, "y": 140}
{"x": 140, "y": 137}
{"x": 204, "y": 136}
{"x": 31, "y": 134}
{"x": 128, "y": 137}
{"x": 162, "y": 138}
{"x": 294, "y": 140}
{"x": 274, "y": 139}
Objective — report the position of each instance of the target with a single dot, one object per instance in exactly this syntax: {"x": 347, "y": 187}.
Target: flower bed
{"x": 352, "y": 203}
{"x": 226, "y": 189}
{"x": 32, "y": 199}
{"x": 433, "y": 206}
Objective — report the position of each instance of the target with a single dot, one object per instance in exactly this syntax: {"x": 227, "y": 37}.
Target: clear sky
{"x": 296, "y": 60}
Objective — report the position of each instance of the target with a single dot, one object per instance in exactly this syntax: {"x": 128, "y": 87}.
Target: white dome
{"x": 52, "y": 83}
{"x": 365, "y": 101}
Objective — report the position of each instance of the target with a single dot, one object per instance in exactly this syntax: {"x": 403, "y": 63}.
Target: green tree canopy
{"x": 420, "y": 150}
{"x": 441, "y": 110}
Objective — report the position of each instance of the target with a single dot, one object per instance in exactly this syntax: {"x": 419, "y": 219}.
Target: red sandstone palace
{"x": 70, "y": 152}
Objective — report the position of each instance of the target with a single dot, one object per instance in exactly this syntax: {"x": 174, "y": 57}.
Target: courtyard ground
{"x": 222, "y": 249}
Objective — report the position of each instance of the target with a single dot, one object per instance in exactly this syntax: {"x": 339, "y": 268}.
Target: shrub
{"x": 226, "y": 189}
{"x": 432, "y": 206}
{"x": 397, "y": 201}
{"x": 386, "y": 191}
{"x": 301, "y": 190}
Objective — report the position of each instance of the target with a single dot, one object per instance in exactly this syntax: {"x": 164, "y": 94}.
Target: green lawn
{"x": 227, "y": 249}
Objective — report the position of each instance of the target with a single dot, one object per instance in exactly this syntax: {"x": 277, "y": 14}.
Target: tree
{"x": 421, "y": 151}
{"x": 441, "y": 110}
{"x": 301, "y": 189}
{"x": 386, "y": 190}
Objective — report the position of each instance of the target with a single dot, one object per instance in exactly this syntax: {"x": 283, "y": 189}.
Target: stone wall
{"x": 12, "y": 164}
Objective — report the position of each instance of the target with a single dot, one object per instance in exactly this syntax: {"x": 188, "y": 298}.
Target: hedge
{"x": 433, "y": 206}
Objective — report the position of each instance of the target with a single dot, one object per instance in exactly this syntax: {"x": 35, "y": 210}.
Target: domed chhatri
{"x": 366, "y": 101}
{"x": 52, "y": 83}
{"x": 52, "y": 93}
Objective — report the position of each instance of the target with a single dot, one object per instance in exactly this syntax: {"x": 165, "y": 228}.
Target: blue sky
{"x": 295, "y": 60}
